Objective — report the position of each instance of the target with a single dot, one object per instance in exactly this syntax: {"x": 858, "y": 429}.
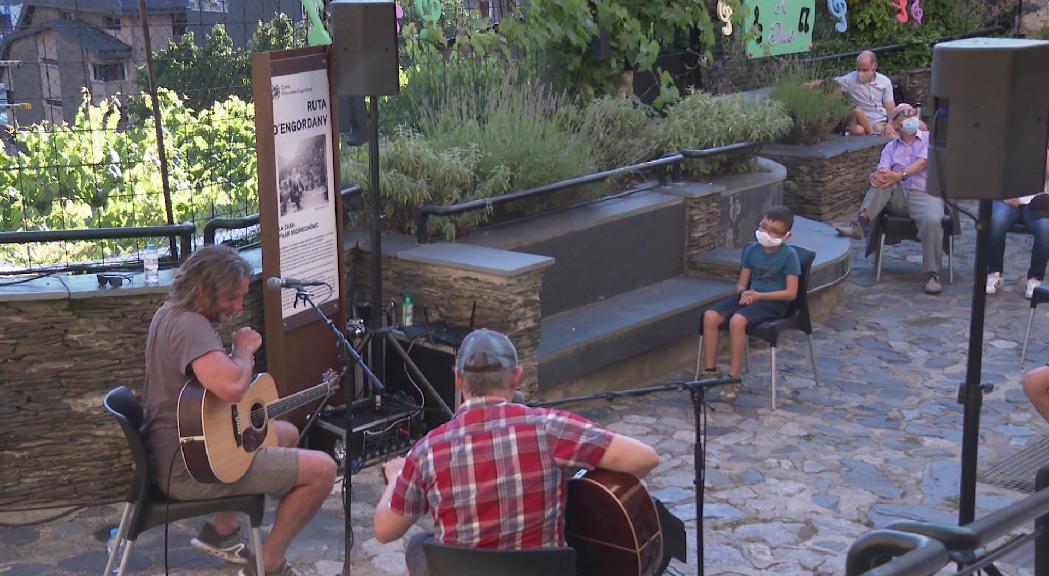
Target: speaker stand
{"x": 970, "y": 394}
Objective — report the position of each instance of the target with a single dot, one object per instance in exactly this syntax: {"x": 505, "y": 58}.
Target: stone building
{"x": 67, "y": 46}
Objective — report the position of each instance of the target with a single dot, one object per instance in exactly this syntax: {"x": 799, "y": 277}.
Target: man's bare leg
{"x": 316, "y": 476}
{"x": 860, "y": 124}
{"x": 287, "y": 437}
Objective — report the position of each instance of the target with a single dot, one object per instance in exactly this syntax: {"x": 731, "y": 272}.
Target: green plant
{"x": 413, "y": 172}
{"x": 702, "y": 121}
{"x": 816, "y": 111}
{"x": 616, "y": 127}
{"x": 591, "y": 44}
{"x": 90, "y": 174}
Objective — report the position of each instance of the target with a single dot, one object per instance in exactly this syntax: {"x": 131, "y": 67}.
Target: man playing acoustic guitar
{"x": 209, "y": 289}
{"x": 494, "y": 476}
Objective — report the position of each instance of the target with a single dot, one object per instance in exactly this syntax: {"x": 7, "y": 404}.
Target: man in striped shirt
{"x": 494, "y": 476}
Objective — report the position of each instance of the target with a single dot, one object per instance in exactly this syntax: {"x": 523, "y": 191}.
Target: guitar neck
{"x": 287, "y": 404}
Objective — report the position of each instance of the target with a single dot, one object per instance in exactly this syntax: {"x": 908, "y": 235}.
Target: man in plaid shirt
{"x": 494, "y": 476}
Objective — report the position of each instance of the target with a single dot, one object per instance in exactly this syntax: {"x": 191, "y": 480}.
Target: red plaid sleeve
{"x": 575, "y": 441}
{"x": 409, "y": 492}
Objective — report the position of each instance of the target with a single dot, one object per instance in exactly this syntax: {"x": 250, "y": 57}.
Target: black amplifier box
{"x": 376, "y": 435}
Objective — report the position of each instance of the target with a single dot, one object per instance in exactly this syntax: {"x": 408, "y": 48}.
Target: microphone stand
{"x": 697, "y": 392}
{"x": 377, "y": 387}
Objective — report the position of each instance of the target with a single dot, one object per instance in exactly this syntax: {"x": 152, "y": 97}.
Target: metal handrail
{"x": 963, "y": 544}
{"x": 184, "y": 232}
{"x": 902, "y": 45}
{"x": 216, "y": 224}
{"x": 422, "y": 230}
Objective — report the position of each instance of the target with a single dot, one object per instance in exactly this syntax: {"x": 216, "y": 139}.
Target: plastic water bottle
{"x": 151, "y": 264}
{"x": 113, "y": 542}
{"x": 408, "y": 310}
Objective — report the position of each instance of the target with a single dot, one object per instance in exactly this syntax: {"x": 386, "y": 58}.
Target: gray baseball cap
{"x": 486, "y": 351}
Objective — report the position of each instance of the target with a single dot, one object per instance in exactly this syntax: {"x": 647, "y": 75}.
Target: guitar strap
{"x": 673, "y": 536}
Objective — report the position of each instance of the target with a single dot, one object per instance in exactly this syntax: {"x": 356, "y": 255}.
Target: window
{"x": 178, "y": 24}
{"x": 108, "y": 72}
{"x": 111, "y": 22}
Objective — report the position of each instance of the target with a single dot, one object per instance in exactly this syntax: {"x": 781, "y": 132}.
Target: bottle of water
{"x": 113, "y": 543}
{"x": 408, "y": 310}
{"x": 151, "y": 264}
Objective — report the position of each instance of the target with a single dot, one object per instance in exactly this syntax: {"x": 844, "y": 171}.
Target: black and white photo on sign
{"x": 302, "y": 176}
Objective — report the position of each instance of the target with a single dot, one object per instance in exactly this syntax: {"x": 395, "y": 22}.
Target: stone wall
{"x": 828, "y": 180}
{"x": 916, "y": 83}
{"x": 58, "y": 358}
{"x": 702, "y": 222}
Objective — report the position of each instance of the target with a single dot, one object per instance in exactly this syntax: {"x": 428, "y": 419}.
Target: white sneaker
{"x": 1032, "y": 283}
{"x": 994, "y": 281}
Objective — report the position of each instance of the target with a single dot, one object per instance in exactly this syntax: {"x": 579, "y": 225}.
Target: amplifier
{"x": 375, "y": 435}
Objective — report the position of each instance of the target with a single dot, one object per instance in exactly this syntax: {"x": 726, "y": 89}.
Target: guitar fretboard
{"x": 288, "y": 403}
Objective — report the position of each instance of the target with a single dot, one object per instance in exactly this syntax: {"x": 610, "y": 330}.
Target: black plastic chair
{"x": 796, "y": 318}
{"x": 445, "y": 560}
{"x": 1039, "y": 296}
{"x": 147, "y": 506}
{"x": 892, "y": 229}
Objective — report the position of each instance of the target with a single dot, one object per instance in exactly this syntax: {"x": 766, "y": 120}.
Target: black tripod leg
{"x": 698, "y": 460}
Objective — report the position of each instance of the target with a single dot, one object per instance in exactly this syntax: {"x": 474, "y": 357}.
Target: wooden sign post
{"x": 300, "y": 211}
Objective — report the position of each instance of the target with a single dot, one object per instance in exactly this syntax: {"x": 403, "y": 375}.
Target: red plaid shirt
{"x": 494, "y": 476}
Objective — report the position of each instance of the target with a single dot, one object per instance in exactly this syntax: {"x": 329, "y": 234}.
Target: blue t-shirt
{"x": 769, "y": 271}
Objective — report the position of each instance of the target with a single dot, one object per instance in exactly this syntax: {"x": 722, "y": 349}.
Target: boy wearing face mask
{"x": 768, "y": 283}
{"x": 898, "y": 185}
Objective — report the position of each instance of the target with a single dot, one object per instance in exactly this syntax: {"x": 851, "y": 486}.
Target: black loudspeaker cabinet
{"x": 990, "y": 99}
{"x": 436, "y": 361}
{"x": 364, "y": 40}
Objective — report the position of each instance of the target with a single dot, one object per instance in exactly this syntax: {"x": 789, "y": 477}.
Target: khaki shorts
{"x": 274, "y": 473}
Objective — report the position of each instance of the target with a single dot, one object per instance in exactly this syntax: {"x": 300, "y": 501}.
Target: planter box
{"x": 828, "y": 180}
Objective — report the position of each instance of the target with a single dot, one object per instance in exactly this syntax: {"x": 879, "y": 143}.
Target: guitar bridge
{"x": 235, "y": 416}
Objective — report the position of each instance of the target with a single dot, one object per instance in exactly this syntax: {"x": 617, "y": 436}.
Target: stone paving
{"x": 787, "y": 491}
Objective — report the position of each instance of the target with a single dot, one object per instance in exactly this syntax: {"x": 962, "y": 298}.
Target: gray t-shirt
{"x": 176, "y": 338}
{"x": 869, "y": 96}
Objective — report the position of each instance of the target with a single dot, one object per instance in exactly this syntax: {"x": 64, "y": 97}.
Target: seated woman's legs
{"x": 1003, "y": 216}
{"x": 1039, "y": 228}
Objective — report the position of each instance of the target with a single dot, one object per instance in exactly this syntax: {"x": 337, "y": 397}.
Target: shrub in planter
{"x": 616, "y": 127}
{"x": 413, "y": 172}
{"x": 815, "y": 111}
{"x": 701, "y": 121}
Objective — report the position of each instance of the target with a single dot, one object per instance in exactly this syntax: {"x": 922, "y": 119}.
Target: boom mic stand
{"x": 347, "y": 493}
{"x": 697, "y": 392}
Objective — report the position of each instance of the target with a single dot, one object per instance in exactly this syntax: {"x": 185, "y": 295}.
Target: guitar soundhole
{"x": 258, "y": 415}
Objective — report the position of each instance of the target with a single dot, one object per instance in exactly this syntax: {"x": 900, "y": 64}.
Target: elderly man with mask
{"x": 898, "y": 185}
{"x": 870, "y": 94}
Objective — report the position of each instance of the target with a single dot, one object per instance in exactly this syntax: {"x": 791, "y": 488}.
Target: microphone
{"x": 276, "y": 283}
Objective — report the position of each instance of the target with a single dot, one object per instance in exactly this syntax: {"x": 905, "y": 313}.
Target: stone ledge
{"x": 475, "y": 258}
{"x": 831, "y": 147}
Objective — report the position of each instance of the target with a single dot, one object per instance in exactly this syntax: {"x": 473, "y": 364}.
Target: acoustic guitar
{"x": 219, "y": 439}
{"x": 613, "y": 524}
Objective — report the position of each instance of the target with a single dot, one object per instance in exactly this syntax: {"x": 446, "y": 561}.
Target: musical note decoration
{"x": 901, "y": 11}
{"x": 917, "y": 12}
{"x": 725, "y": 15}
{"x": 838, "y": 9}
{"x": 803, "y": 20}
{"x": 758, "y": 28}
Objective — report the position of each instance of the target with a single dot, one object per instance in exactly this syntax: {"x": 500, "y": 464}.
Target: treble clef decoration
{"x": 916, "y": 11}
{"x": 901, "y": 15}
{"x": 725, "y": 15}
{"x": 803, "y": 21}
{"x": 758, "y": 29}
{"x": 838, "y": 9}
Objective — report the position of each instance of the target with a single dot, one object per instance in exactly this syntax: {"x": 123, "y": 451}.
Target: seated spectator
{"x": 767, "y": 284}
{"x": 898, "y": 185}
{"x": 870, "y": 94}
{"x": 1033, "y": 211}
{"x": 1036, "y": 387}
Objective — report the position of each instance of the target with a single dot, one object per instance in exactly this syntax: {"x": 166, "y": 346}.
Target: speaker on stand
{"x": 990, "y": 100}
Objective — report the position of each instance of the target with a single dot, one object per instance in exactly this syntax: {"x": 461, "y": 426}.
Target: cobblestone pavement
{"x": 788, "y": 491}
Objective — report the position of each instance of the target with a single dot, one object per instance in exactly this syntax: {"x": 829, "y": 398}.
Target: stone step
{"x": 581, "y": 341}
{"x": 600, "y": 250}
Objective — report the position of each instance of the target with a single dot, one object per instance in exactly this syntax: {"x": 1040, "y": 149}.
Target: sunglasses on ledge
{"x": 113, "y": 279}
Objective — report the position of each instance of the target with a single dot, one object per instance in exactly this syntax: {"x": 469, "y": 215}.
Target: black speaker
{"x": 364, "y": 38}
{"x": 990, "y": 99}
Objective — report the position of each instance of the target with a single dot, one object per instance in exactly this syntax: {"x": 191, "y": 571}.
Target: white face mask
{"x": 866, "y": 77}
{"x": 911, "y": 125}
{"x": 766, "y": 239}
